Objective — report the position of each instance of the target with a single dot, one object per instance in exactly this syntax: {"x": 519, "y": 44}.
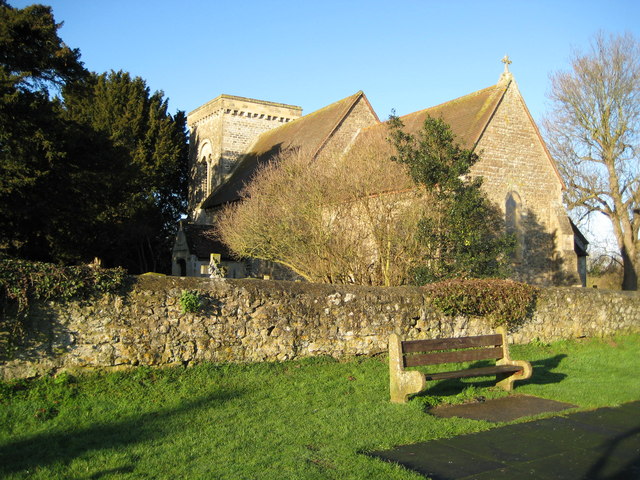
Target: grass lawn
{"x": 294, "y": 420}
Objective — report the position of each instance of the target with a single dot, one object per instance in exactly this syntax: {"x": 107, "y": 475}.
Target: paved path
{"x": 602, "y": 444}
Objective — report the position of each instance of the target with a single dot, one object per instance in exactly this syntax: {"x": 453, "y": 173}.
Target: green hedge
{"x": 502, "y": 302}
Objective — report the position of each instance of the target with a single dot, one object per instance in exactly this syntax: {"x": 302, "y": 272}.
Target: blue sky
{"x": 405, "y": 55}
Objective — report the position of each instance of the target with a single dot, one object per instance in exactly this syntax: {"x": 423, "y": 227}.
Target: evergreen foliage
{"x": 463, "y": 235}
{"x": 33, "y": 57}
{"x": 97, "y": 171}
{"x": 148, "y": 171}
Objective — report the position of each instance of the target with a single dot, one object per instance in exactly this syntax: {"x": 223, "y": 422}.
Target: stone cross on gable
{"x": 506, "y": 62}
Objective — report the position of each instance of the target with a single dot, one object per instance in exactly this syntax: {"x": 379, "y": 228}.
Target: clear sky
{"x": 405, "y": 54}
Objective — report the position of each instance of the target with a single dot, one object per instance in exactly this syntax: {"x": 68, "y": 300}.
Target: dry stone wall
{"x": 257, "y": 320}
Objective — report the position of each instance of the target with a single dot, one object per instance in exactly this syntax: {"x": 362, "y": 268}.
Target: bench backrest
{"x": 452, "y": 350}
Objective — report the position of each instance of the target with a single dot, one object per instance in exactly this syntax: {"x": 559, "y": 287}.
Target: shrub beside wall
{"x": 257, "y": 320}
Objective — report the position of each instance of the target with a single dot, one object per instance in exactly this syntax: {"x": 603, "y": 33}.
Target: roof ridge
{"x": 298, "y": 120}
{"x": 457, "y": 99}
{"x": 326, "y": 107}
{"x": 299, "y": 123}
{"x": 504, "y": 87}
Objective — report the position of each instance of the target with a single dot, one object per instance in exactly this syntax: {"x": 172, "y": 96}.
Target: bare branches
{"x": 334, "y": 219}
{"x": 593, "y": 131}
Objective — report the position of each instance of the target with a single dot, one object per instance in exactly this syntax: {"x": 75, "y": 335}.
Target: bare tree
{"x": 593, "y": 131}
{"x": 332, "y": 219}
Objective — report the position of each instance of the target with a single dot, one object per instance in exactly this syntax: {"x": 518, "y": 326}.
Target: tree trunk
{"x": 630, "y": 275}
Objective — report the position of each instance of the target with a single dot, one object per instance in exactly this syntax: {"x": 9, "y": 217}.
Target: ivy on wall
{"x": 22, "y": 281}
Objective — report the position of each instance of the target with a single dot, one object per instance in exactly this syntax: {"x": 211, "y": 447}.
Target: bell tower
{"x": 220, "y": 132}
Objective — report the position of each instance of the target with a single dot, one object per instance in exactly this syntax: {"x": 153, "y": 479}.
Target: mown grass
{"x": 304, "y": 419}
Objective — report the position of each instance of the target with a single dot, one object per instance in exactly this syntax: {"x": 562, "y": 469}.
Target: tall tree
{"x": 32, "y": 56}
{"x": 148, "y": 181}
{"x": 593, "y": 130}
{"x": 33, "y": 60}
{"x": 98, "y": 172}
{"x": 462, "y": 234}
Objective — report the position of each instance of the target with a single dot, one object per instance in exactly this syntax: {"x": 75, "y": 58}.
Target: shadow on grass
{"x": 543, "y": 374}
{"x": 544, "y": 371}
{"x": 63, "y": 447}
{"x": 626, "y": 466}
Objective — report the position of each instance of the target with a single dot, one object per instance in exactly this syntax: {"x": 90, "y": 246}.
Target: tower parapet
{"x": 220, "y": 132}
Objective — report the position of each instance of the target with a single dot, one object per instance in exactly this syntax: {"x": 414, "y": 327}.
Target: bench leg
{"x": 505, "y": 381}
{"x": 402, "y": 383}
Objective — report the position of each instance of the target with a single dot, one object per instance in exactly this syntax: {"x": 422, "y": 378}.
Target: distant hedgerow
{"x": 502, "y": 302}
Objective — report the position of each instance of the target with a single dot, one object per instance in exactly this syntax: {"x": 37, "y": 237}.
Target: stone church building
{"x": 232, "y": 136}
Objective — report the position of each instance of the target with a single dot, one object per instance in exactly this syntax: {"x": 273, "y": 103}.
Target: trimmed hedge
{"x": 502, "y": 302}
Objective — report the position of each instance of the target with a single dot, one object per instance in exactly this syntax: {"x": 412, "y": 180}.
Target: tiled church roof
{"x": 309, "y": 132}
{"x": 202, "y": 241}
{"x": 468, "y": 116}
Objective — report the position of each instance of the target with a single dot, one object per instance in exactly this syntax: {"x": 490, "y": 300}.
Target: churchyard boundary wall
{"x": 261, "y": 320}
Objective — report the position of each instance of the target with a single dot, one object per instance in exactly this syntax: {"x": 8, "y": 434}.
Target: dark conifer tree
{"x": 90, "y": 165}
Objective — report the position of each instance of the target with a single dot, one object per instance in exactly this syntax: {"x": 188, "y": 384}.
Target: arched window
{"x": 202, "y": 182}
{"x": 513, "y": 217}
{"x": 204, "y": 170}
{"x": 209, "y": 176}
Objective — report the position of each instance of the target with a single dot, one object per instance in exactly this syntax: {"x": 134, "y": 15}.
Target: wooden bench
{"x": 415, "y": 353}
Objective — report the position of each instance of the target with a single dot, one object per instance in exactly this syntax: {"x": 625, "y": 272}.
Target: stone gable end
{"x": 360, "y": 116}
{"x": 516, "y": 168}
{"x": 513, "y": 158}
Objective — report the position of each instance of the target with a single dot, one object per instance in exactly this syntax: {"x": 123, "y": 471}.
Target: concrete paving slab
{"x": 508, "y": 473}
{"x": 504, "y": 409}
{"x": 442, "y": 462}
{"x": 576, "y": 464}
{"x": 561, "y": 432}
{"x": 613, "y": 418}
{"x": 586, "y": 445}
{"x": 504, "y": 446}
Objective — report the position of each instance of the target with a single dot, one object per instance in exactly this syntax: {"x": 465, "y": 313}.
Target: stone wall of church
{"x": 257, "y": 320}
{"x": 516, "y": 170}
{"x": 206, "y": 131}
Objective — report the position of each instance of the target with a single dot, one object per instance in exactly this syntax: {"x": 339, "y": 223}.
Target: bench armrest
{"x": 507, "y": 382}
{"x": 402, "y": 382}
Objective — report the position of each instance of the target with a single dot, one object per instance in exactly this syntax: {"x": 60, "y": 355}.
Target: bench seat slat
{"x": 413, "y": 346}
{"x": 453, "y": 357}
{"x": 474, "y": 372}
